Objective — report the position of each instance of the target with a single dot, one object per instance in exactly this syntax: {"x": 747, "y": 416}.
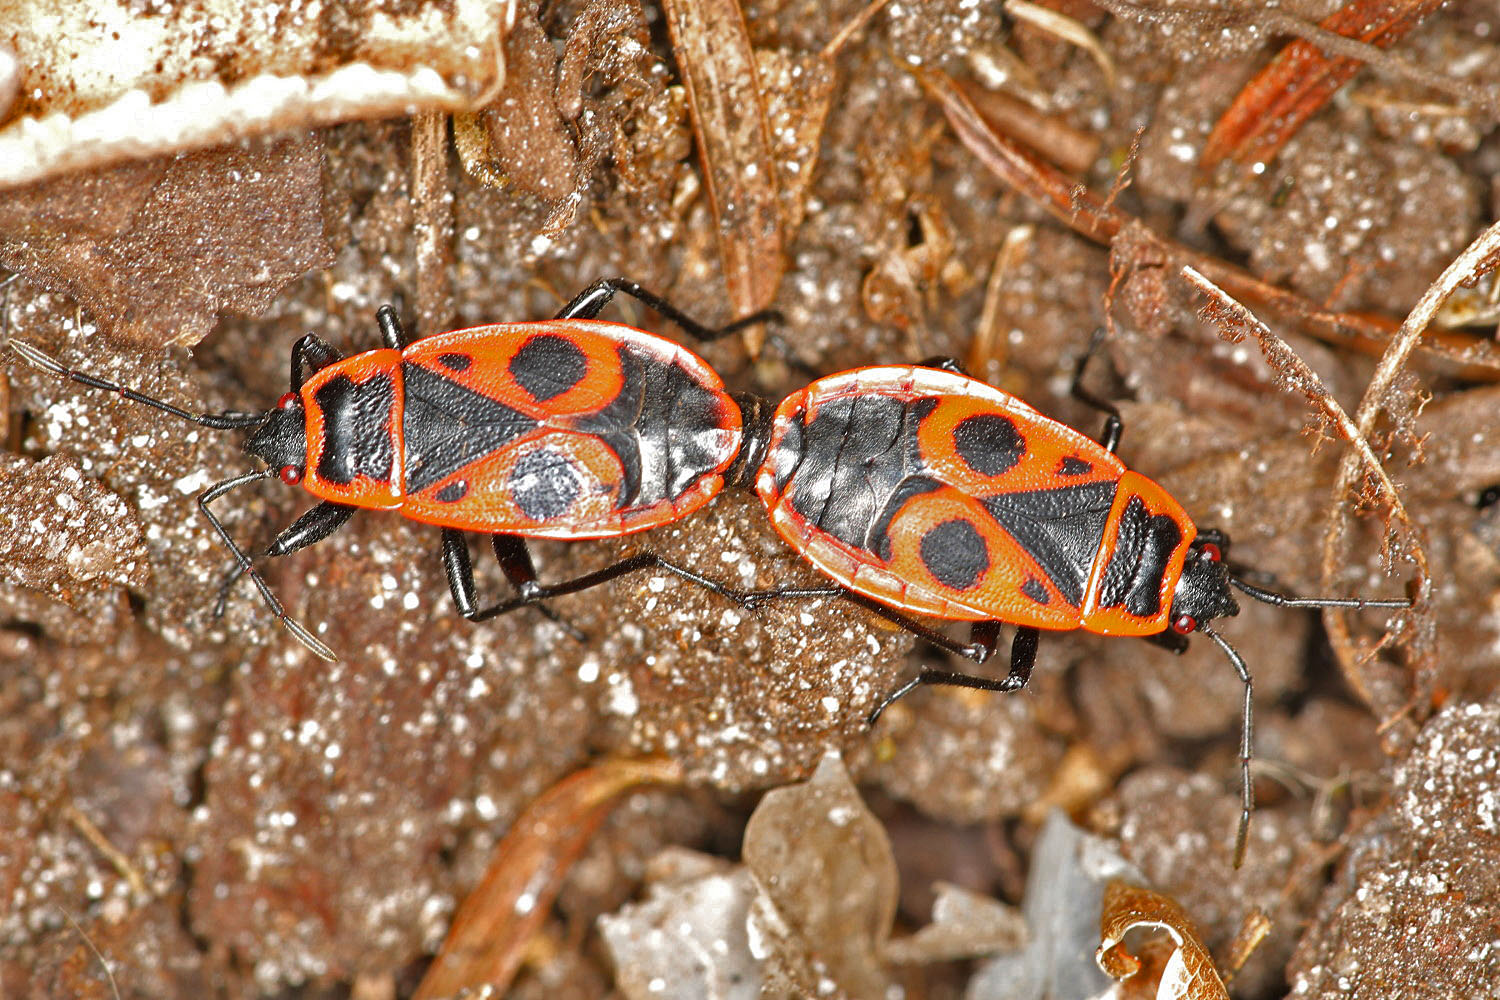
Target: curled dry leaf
{"x": 153, "y": 251}
{"x": 1476, "y": 260}
{"x": 102, "y": 82}
{"x": 1187, "y": 972}
{"x": 499, "y": 917}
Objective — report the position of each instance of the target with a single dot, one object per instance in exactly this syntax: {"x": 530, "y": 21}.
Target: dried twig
{"x": 1234, "y": 321}
{"x": 1086, "y": 213}
{"x": 116, "y": 857}
{"x": 1481, "y": 255}
{"x": 1300, "y": 80}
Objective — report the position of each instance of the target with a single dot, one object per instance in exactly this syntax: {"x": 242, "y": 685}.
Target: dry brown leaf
{"x": 490, "y": 932}
{"x": 1187, "y": 972}
{"x": 729, "y": 117}
{"x": 154, "y": 251}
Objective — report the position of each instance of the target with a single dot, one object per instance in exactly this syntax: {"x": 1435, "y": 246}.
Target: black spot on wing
{"x": 989, "y": 443}
{"x": 453, "y": 492}
{"x": 544, "y": 485}
{"x": 1060, "y": 528}
{"x": 446, "y": 426}
{"x": 547, "y": 366}
{"x": 1072, "y": 466}
{"x": 356, "y": 428}
{"x": 455, "y": 361}
{"x": 1036, "y": 590}
{"x": 955, "y": 554}
{"x": 1133, "y": 575}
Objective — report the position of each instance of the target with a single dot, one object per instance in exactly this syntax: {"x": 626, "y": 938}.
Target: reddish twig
{"x": 1086, "y": 213}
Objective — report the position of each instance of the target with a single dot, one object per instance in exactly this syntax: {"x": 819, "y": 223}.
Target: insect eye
{"x": 291, "y": 475}
{"x": 1211, "y": 552}
{"x": 1184, "y": 624}
{"x": 287, "y": 401}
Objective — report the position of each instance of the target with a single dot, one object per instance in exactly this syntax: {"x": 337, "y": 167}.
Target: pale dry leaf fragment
{"x": 1188, "y": 972}
{"x": 102, "y": 82}
{"x": 827, "y": 878}
{"x": 688, "y": 939}
{"x": 1063, "y": 888}
{"x": 964, "y": 925}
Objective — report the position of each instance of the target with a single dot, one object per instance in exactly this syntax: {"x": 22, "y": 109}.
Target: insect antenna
{"x": 227, "y": 420}
{"x": 1282, "y": 601}
{"x": 1247, "y": 791}
{"x": 214, "y": 492}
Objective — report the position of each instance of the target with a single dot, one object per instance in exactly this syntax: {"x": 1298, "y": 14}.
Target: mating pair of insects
{"x": 916, "y": 489}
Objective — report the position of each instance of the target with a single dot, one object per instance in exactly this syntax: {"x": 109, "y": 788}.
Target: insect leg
{"x": 1022, "y": 659}
{"x": 310, "y": 354}
{"x": 644, "y": 560}
{"x": 588, "y": 303}
{"x": 1113, "y": 425}
{"x": 213, "y": 493}
{"x": 392, "y": 333}
{"x": 312, "y": 527}
{"x": 944, "y": 363}
{"x": 978, "y": 651}
{"x": 515, "y": 563}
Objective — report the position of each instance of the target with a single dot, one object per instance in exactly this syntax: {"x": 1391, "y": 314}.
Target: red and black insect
{"x": 569, "y": 428}
{"x": 918, "y": 489}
